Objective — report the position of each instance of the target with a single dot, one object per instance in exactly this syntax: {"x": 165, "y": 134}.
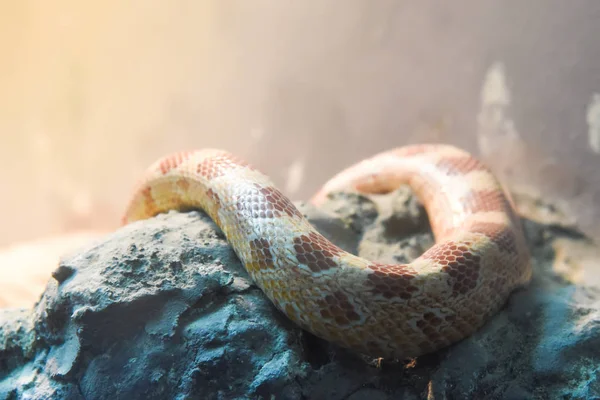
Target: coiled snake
{"x": 381, "y": 310}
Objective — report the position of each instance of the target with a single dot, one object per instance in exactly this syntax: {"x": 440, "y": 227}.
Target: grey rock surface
{"x": 162, "y": 309}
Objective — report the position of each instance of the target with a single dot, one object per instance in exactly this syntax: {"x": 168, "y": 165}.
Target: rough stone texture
{"x": 162, "y": 309}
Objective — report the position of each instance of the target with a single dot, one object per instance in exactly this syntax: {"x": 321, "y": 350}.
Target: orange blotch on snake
{"x": 337, "y": 307}
{"x": 219, "y": 165}
{"x": 316, "y": 252}
{"x": 391, "y": 280}
{"x": 501, "y": 235}
{"x": 258, "y": 202}
{"x": 149, "y": 203}
{"x": 260, "y": 252}
{"x": 173, "y": 161}
{"x": 460, "y": 165}
{"x": 214, "y": 197}
{"x": 485, "y": 201}
{"x": 183, "y": 184}
{"x": 463, "y": 271}
{"x": 213, "y": 206}
{"x": 279, "y": 202}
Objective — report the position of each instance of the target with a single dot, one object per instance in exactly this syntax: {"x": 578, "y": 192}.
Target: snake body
{"x": 396, "y": 311}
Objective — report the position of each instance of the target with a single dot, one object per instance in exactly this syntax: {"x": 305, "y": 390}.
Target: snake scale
{"x": 395, "y": 311}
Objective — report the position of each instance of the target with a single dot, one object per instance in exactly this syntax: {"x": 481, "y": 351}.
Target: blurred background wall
{"x": 93, "y": 92}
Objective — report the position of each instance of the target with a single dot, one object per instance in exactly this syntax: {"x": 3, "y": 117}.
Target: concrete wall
{"x": 92, "y": 92}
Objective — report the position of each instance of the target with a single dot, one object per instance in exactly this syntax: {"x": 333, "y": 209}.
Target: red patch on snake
{"x": 461, "y": 265}
{"x": 173, "y": 161}
{"x": 183, "y": 184}
{"x": 149, "y": 203}
{"x": 486, "y": 201}
{"x": 265, "y": 202}
{"x": 316, "y": 252}
{"x": 279, "y": 201}
{"x": 430, "y": 325}
{"x": 214, "y": 197}
{"x": 261, "y": 253}
{"x": 337, "y": 307}
{"x": 392, "y": 280}
{"x": 503, "y": 236}
{"x": 490, "y": 200}
{"x": 219, "y": 165}
{"x": 460, "y": 165}
{"x": 214, "y": 206}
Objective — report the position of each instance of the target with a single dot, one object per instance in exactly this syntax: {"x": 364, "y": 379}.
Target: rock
{"x": 26, "y": 266}
{"x": 162, "y": 308}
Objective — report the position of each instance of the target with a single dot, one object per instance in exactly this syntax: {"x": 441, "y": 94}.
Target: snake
{"x": 397, "y": 311}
